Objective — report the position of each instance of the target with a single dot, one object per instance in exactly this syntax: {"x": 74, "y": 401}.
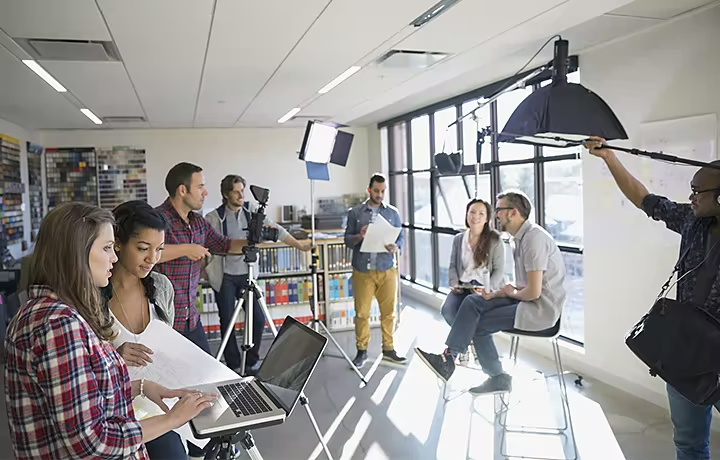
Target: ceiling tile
{"x": 237, "y": 64}
{"x": 81, "y": 19}
{"x": 26, "y": 100}
{"x": 103, "y": 87}
{"x": 660, "y": 9}
{"x": 162, "y": 43}
{"x": 346, "y": 33}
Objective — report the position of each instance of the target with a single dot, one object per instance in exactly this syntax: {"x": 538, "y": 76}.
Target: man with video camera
{"x": 228, "y": 275}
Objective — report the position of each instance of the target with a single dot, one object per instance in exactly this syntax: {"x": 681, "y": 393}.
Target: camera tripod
{"x": 246, "y": 300}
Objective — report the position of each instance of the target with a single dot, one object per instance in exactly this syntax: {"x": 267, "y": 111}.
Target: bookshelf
{"x": 285, "y": 279}
{"x": 35, "y": 190}
{"x": 11, "y": 190}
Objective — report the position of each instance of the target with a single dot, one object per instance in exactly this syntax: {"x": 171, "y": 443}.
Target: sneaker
{"x": 499, "y": 384}
{"x": 252, "y": 370}
{"x": 443, "y": 365}
{"x": 360, "y": 359}
{"x": 392, "y": 356}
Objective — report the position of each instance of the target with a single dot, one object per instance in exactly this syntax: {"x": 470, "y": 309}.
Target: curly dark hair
{"x": 131, "y": 218}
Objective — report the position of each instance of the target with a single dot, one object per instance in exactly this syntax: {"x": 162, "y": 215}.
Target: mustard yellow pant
{"x": 383, "y": 286}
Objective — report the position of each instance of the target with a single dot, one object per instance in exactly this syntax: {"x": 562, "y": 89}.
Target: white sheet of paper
{"x": 379, "y": 234}
{"x": 177, "y": 363}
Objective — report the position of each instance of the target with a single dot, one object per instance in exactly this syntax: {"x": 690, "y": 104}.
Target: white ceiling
{"x": 227, "y": 63}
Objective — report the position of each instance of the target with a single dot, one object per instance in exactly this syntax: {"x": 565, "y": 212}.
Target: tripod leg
{"x": 231, "y": 326}
{"x": 248, "y": 444}
{"x": 347, "y": 358}
{"x": 306, "y": 405}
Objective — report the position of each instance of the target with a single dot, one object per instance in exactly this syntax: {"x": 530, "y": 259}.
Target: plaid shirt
{"x": 694, "y": 234}
{"x": 68, "y": 394}
{"x": 183, "y": 272}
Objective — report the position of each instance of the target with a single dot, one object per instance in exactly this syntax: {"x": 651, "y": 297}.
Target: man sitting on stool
{"x": 228, "y": 276}
{"x": 535, "y": 304}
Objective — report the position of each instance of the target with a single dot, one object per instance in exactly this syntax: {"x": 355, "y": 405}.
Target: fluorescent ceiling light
{"x": 289, "y": 115}
{"x": 91, "y": 116}
{"x": 42, "y": 73}
{"x": 341, "y": 78}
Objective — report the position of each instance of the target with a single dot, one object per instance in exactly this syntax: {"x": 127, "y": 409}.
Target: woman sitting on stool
{"x": 477, "y": 258}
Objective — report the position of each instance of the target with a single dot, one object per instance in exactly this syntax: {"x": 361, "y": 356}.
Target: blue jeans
{"x": 198, "y": 337}
{"x": 231, "y": 289}
{"x": 477, "y": 320}
{"x": 451, "y": 306}
{"x": 166, "y": 447}
{"x": 691, "y": 427}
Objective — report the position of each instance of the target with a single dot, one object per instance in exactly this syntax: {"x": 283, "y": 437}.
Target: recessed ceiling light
{"x": 289, "y": 115}
{"x": 341, "y": 78}
{"x": 91, "y": 116}
{"x": 42, "y": 73}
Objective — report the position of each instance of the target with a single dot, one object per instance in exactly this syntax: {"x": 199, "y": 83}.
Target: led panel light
{"x": 340, "y": 78}
{"x": 91, "y": 116}
{"x": 289, "y": 115}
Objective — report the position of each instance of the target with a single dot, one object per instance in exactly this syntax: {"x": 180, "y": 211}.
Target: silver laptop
{"x": 268, "y": 398}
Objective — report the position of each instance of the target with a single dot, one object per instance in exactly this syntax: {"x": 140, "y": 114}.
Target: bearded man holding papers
{"x": 374, "y": 273}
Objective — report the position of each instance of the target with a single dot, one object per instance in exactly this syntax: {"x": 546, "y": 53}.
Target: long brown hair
{"x": 61, "y": 261}
{"x": 488, "y": 236}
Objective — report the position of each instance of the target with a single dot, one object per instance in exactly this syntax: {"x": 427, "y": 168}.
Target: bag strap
{"x": 676, "y": 269}
{"x": 221, "y": 214}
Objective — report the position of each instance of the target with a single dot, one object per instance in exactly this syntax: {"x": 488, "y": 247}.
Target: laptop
{"x": 269, "y": 397}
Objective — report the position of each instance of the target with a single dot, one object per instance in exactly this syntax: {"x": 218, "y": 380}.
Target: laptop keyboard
{"x": 243, "y": 399}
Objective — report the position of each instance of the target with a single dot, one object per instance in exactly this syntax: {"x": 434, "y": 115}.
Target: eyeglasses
{"x": 502, "y": 209}
{"x": 695, "y": 192}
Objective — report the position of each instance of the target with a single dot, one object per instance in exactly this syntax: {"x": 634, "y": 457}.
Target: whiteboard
{"x": 691, "y": 137}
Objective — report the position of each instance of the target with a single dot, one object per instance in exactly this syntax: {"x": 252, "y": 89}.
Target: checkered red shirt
{"x": 68, "y": 394}
{"x": 183, "y": 272}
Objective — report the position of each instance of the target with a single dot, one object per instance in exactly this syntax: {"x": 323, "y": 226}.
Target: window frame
{"x": 467, "y": 172}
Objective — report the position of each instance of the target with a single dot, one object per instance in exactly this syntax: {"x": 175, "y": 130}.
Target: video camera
{"x": 256, "y": 231}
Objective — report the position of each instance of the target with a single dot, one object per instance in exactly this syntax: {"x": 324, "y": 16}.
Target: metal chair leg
{"x": 567, "y": 418}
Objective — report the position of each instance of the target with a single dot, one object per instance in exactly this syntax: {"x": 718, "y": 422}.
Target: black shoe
{"x": 392, "y": 356}
{"x": 360, "y": 359}
{"x": 499, "y": 384}
{"x": 443, "y": 365}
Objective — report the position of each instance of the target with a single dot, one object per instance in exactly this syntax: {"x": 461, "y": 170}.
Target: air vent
{"x": 69, "y": 50}
{"x": 409, "y": 59}
{"x": 121, "y": 119}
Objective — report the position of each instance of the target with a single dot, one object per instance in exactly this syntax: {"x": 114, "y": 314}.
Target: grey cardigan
{"x": 496, "y": 263}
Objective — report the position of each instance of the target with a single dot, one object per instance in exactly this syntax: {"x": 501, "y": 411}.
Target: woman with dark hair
{"x": 135, "y": 295}
{"x": 68, "y": 391}
{"x": 477, "y": 259}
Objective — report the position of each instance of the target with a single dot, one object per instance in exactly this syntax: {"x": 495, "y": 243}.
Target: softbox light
{"x": 561, "y": 108}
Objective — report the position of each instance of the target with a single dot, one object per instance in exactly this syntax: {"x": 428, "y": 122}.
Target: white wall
{"x": 266, "y": 157}
{"x": 23, "y": 135}
{"x": 668, "y": 72}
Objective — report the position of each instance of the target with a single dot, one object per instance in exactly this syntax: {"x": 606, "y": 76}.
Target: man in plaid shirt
{"x": 187, "y": 240}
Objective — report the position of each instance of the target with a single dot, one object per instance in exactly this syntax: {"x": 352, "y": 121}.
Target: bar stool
{"x": 552, "y": 335}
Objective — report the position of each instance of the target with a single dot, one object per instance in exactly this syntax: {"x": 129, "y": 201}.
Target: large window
{"x": 433, "y": 205}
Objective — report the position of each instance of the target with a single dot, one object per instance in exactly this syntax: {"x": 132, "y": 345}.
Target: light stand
{"x": 225, "y": 443}
{"x": 316, "y": 323}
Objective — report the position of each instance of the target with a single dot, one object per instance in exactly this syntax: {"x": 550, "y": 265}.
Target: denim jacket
{"x": 357, "y": 218}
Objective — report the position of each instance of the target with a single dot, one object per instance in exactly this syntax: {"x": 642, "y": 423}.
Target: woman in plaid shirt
{"x": 68, "y": 392}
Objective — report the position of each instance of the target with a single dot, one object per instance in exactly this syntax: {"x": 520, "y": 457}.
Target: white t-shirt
{"x": 124, "y": 334}
{"x": 479, "y": 274}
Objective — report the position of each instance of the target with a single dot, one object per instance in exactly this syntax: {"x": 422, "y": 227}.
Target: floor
{"x": 401, "y": 414}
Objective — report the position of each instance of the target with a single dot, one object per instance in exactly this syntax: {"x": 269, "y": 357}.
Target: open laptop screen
{"x": 290, "y": 361}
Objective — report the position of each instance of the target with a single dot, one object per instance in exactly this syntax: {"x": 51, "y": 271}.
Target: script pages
{"x": 379, "y": 234}
{"x": 177, "y": 363}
